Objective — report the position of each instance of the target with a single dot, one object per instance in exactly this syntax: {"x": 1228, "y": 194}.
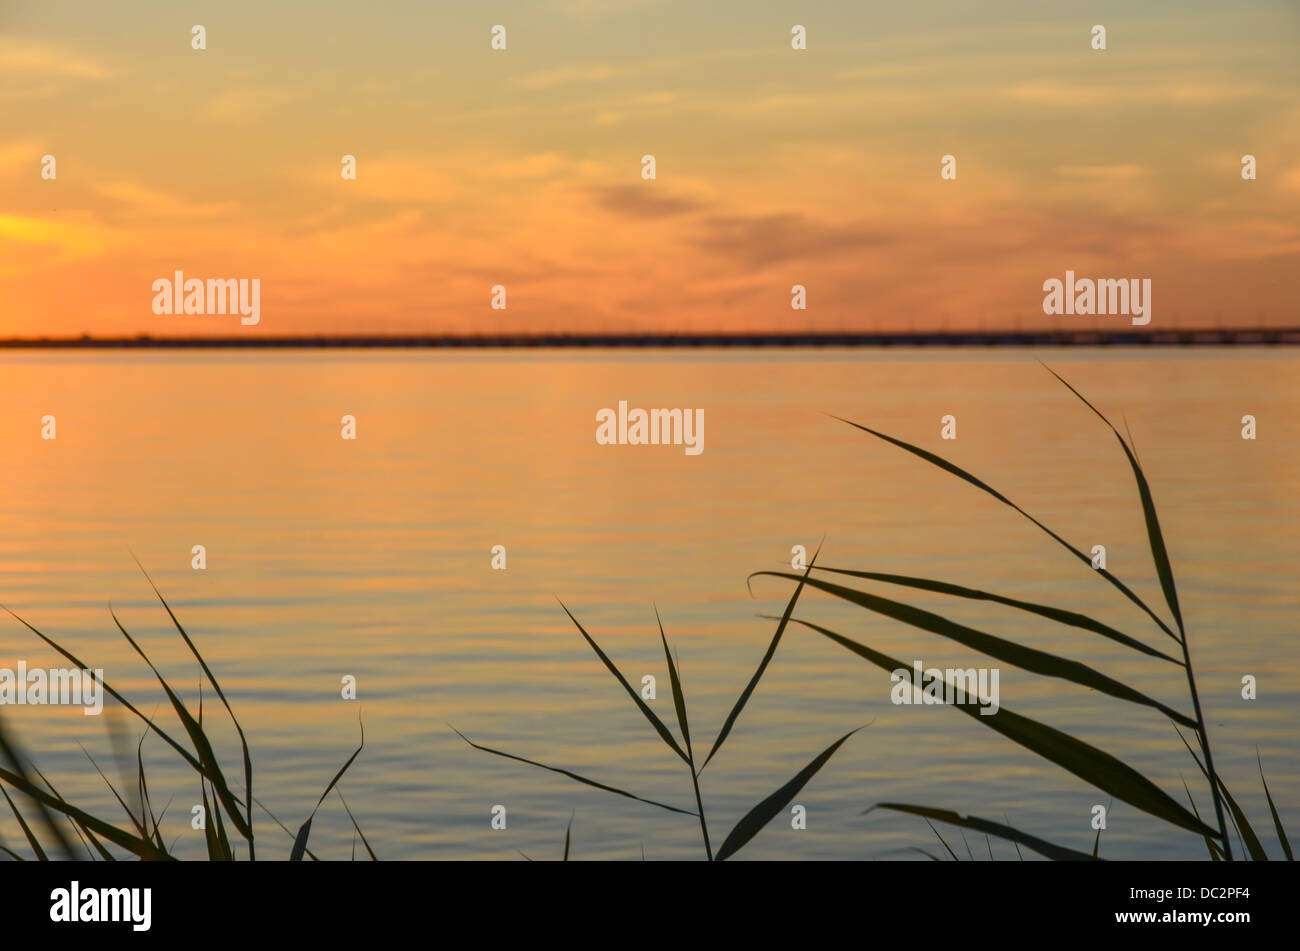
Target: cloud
{"x": 29, "y": 242}
{"x": 757, "y": 241}
{"x": 159, "y": 203}
{"x": 1136, "y": 92}
{"x": 36, "y": 59}
{"x": 643, "y": 201}
{"x": 31, "y": 69}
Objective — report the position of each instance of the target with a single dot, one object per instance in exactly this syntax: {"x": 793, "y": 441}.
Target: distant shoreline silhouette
{"x": 1262, "y": 336}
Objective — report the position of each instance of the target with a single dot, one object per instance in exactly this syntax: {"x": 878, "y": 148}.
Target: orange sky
{"x": 522, "y": 167}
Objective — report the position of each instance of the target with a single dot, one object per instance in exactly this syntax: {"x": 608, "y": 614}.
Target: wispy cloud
{"x": 33, "y": 58}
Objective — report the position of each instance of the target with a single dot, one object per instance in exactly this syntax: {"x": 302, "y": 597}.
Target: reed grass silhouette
{"x": 222, "y": 805}
{"x": 758, "y": 816}
{"x": 1089, "y": 763}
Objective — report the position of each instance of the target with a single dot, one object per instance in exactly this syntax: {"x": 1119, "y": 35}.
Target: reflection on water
{"x": 372, "y": 558}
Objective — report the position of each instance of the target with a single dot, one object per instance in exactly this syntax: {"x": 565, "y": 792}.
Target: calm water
{"x": 372, "y": 559}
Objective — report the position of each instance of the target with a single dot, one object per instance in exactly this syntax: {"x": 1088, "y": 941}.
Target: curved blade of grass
{"x": 300, "y": 842}
{"x": 967, "y": 844}
{"x": 147, "y": 800}
{"x": 762, "y": 665}
{"x": 1277, "y": 820}
{"x": 202, "y": 746}
{"x": 185, "y": 754}
{"x": 103, "y": 852}
{"x": 274, "y": 818}
{"x": 27, "y": 830}
{"x": 1026, "y": 658}
{"x": 1042, "y": 847}
{"x": 568, "y": 831}
{"x": 1165, "y": 571}
{"x": 139, "y": 825}
{"x": 965, "y": 476}
{"x": 929, "y": 855}
{"x": 248, "y": 762}
{"x": 1216, "y": 854}
{"x": 364, "y": 840}
{"x": 574, "y": 776}
{"x": 136, "y": 846}
{"x": 215, "y": 851}
{"x": 762, "y": 814}
{"x": 13, "y": 756}
{"x": 1159, "y": 553}
{"x": 650, "y": 715}
{"x": 1070, "y": 618}
{"x": 942, "y": 840}
{"x": 1082, "y": 759}
{"x": 108, "y": 688}
{"x": 679, "y": 701}
{"x": 1248, "y": 837}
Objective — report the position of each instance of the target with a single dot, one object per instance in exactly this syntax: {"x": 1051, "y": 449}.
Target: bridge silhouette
{"x": 1259, "y": 336}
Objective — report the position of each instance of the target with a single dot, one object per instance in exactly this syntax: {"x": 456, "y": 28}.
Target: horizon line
{"x": 1255, "y": 336}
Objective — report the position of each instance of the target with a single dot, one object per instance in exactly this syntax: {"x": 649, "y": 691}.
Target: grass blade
{"x": 1070, "y": 618}
{"x": 942, "y": 840}
{"x": 571, "y": 775}
{"x": 763, "y": 813}
{"x": 1082, "y": 759}
{"x": 27, "y": 830}
{"x": 364, "y": 840}
{"x": 300, "y": 841}
{"x": 679, "y": 701}
{"x": 1026, "y": 658}
{"x": 1244, "y": 828}
{"x": 650, "y": 715}
{"x": 1277, "y": 821}
{"x": 14, "y": 758}
{"x": 248, "y": 762}
{"x": 1159, "y": 553}
{"x": 1041, "y": 846}
{"x": 762, "y": 665}
{"x": 1216, "y": 854}
{"x": 112, "y": 692}
{"x": 119, "y": 837}
{"x": 965, "y": 476}
{"x": 202, "y": 746}
{"x": 1165, "y": 571}
{"x": 103, "y": 852}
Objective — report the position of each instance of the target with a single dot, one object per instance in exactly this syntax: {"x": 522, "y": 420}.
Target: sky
{"x": 522, "y": 167}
